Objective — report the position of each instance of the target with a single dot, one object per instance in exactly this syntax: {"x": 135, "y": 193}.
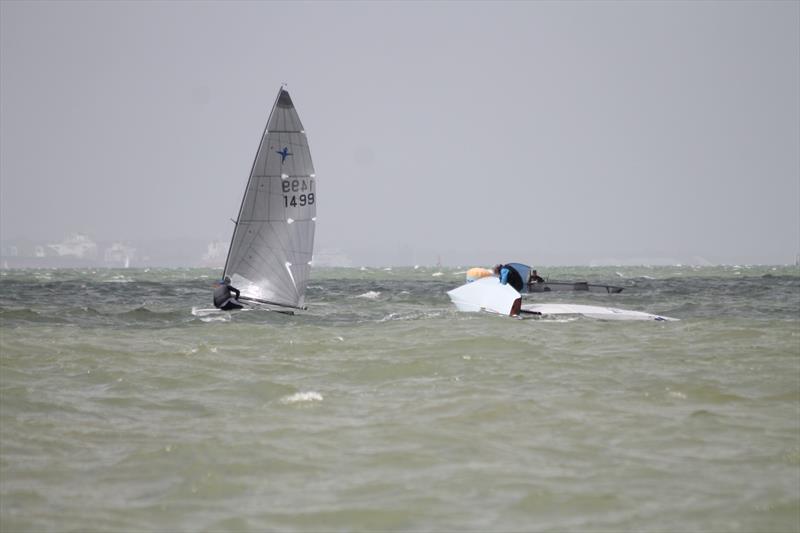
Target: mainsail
{"x": 269, "y": 259}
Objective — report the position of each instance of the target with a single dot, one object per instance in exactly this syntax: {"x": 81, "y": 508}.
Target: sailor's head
{"x": 533, "y": 272}
{"x": 226, "y": 280}
{"x": 497, "y": 268}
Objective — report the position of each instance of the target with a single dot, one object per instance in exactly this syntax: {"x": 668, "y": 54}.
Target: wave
{"x": 9, "y": 316}
{"x": 413, "y": 315}
{"x": 302, "y": 397}
{"x": 119, "y": 279}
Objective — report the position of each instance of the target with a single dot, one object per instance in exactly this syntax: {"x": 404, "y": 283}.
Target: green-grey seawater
{"x": 125, "y": 407}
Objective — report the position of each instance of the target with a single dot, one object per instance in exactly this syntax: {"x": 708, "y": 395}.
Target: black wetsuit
{"x": 223, "y": 298}
{"x": 513, "y": 279}
{"x": 536, "y": 278}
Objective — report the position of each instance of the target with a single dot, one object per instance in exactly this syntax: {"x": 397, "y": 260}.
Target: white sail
{"x": 270, "y": 254}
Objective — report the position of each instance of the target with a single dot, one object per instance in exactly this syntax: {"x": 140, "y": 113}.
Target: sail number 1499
{"x": 304, "y": 189}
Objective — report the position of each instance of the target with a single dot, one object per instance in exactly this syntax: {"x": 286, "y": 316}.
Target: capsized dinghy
{"x": 489, "y": 295}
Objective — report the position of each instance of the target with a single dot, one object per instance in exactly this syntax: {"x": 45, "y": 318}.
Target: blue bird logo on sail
{"x": 283, "y": 153}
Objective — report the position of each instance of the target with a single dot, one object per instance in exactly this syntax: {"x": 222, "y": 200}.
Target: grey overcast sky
{"x": 545, "y": 132}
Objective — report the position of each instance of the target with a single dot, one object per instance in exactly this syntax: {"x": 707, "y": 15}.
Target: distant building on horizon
{"x": 119, "y": 254}
{"x": 75, "y": 245}
{"x": 77, "y": 250}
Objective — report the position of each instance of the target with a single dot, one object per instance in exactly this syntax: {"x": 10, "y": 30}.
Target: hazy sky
{"x": 531, "y": 131}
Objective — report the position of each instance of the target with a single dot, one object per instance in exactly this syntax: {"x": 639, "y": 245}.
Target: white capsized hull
{"x": 486, "y": 294}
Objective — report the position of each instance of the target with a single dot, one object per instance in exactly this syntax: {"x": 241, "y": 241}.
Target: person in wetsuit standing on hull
{"x": 223, "y": 299}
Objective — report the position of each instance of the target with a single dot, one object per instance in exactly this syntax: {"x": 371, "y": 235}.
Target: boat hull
{"x": 486, "y": 294}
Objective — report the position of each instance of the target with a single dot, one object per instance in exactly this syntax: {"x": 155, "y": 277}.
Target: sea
{"x": 127, "y": 405}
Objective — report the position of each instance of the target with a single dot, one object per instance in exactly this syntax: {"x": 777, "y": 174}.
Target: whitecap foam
{"x": 415, "y": 315}
{"x": 221, "y": 318}
{"x": 370, "y": 295}
{"x": 211, "y": 315}
{"x": 299, "y": 397}
{"x": 118, "y": 279}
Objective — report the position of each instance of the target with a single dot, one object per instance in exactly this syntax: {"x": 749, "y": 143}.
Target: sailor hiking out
{"x": 223, "y": 299}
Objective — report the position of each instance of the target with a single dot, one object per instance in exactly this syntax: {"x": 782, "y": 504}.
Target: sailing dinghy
{"x": 269, "y": 259}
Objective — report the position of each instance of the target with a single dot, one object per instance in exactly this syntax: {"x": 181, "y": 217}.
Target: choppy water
{"x": 381, "y": 408}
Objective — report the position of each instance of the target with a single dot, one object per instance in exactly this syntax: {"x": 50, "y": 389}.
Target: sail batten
{"x": 273, "y": 239}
